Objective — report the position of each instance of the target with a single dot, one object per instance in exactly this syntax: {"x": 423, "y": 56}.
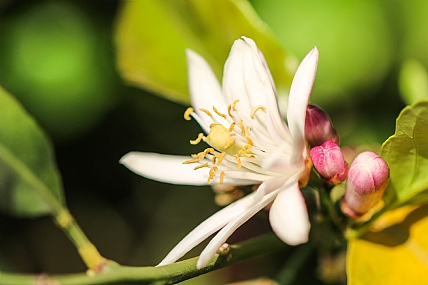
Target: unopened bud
{"x": 329, "y": 162}
{"x": 368, "y": 178}
{"x": 318, "y": 127}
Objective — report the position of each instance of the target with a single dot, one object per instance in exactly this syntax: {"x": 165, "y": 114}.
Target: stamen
{"x": 187, "y": 113}
{"x": 241, "y": 125}
{"x": 208, "y": 150}
{"x": 206, "y": 112}
{"x": 214, "y": 159}
{"x": 221, "y": 177}
{"x": 234, "y": 104}
{"x": 220, "y": 157}
{"x": 190, "y": 161}
{"x": 213, "y": 125}
{"x": 243, "y": 153}
{"x": 230, "y": 141}
{"x": 247, "y": 130}
{"x": 228, "y": 111}
{"x": 199, "y": 155}
{"x": 212, "y": 170}
{"x": 198, "y": 139}
{"x": 232, "y": 126}
{"x": 253, "y": 113}
{"x": 201, "y": 166}
{"x": 238, "y": 160}
{"x": 212, "y": 173}
{"x": 247, "y": 147}
{"x": 250, "y": 142}
{"x": 218, "y": 113}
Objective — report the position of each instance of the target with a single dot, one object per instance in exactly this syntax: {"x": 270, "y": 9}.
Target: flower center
{"x": 234, "y": 141}
{"x": 222, "y": 139}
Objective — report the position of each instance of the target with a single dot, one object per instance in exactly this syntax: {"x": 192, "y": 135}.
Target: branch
{"x": 169, "y": 274}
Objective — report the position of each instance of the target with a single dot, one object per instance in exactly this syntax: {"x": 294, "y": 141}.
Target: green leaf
{"x": 395, "y": 251}
{"x": 151, "y": 38}
{"x": 413, "y": 82}
{"x": 406, "y": 153}
{"x": 29, "y": 181}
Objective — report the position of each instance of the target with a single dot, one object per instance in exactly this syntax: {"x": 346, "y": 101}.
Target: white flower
{"x": 250, "y": 144}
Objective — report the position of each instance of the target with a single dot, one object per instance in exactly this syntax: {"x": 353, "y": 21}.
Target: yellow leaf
{"x": 394, "y": 251}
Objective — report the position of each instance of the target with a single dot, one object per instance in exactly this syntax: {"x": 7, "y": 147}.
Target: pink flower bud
{"x": 318, "y": 127}
{"x": 368, "y": 177}
{"x": 328, "y": 161}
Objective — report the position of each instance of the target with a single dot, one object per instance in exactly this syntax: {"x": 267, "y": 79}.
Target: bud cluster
{"x": 367, "y": 177}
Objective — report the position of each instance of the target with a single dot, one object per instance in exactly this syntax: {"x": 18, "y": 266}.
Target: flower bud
{"x": 329, "y": 162}
{"x": 368, "y": 177}
{"x": 318, "y": 127}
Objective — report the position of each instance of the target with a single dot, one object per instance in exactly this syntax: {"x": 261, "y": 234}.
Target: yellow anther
{"x": 238, "y": 160}
{"x": 230, "y": 141}
{"x": 213, "y": 125}
{"x": 187, "y": 113}
{"x": 247, "y": 147}
{"x": 234, "y": 104}
{"x": 200, "y": 155}
{"x": 221, "y": 177}
{"x": 243, "y": 153}
{"x": 214, "y": 159}
{"x": 253, "y": 113}
{"x": 220, "y": 157}
{"x": 201, "y": 166}
{"x": 250, "y": 142}
{"x": 190, "y": 161}
{"x": 218, "y": 113}
{"x": 232, "y": 126}
{"x": 212, "y": 173}
{"x": 212, "y": 170}
{"x": 241, "y": 125}
{"x": 208, "y": 150}
{"x": 195, "y": 155}
{"x": 206, "y": 112}
{"x": 229, "y": 107}
{"x": 198, "y": 139}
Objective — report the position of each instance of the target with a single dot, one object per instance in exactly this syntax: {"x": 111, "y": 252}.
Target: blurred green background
{"x": 59, "y": 59}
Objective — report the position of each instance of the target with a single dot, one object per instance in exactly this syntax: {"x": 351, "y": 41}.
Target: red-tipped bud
{"x": 318, "y": 127}
{"x": 329, "y": 162}
{"x": 368, "y": 177}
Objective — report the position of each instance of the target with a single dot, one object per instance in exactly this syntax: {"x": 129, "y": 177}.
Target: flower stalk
{"x": 87, "y": 251}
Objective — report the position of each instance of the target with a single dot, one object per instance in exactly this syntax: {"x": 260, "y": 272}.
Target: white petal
{"x": 246, "y": 175}
{"x": 300, "y": 92}
{"x": 205, "y": 89}
{"x": 170, "y": 169}
{"x": 269, "y": 186}
{"x": 289, "y": 217}
{"x": 274, "y": 161}
{"x": 259, "y": 85}
{"x": 208, "y": 227}
{"x": 212, "y": 247}
{"x": 233, "y": 80}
